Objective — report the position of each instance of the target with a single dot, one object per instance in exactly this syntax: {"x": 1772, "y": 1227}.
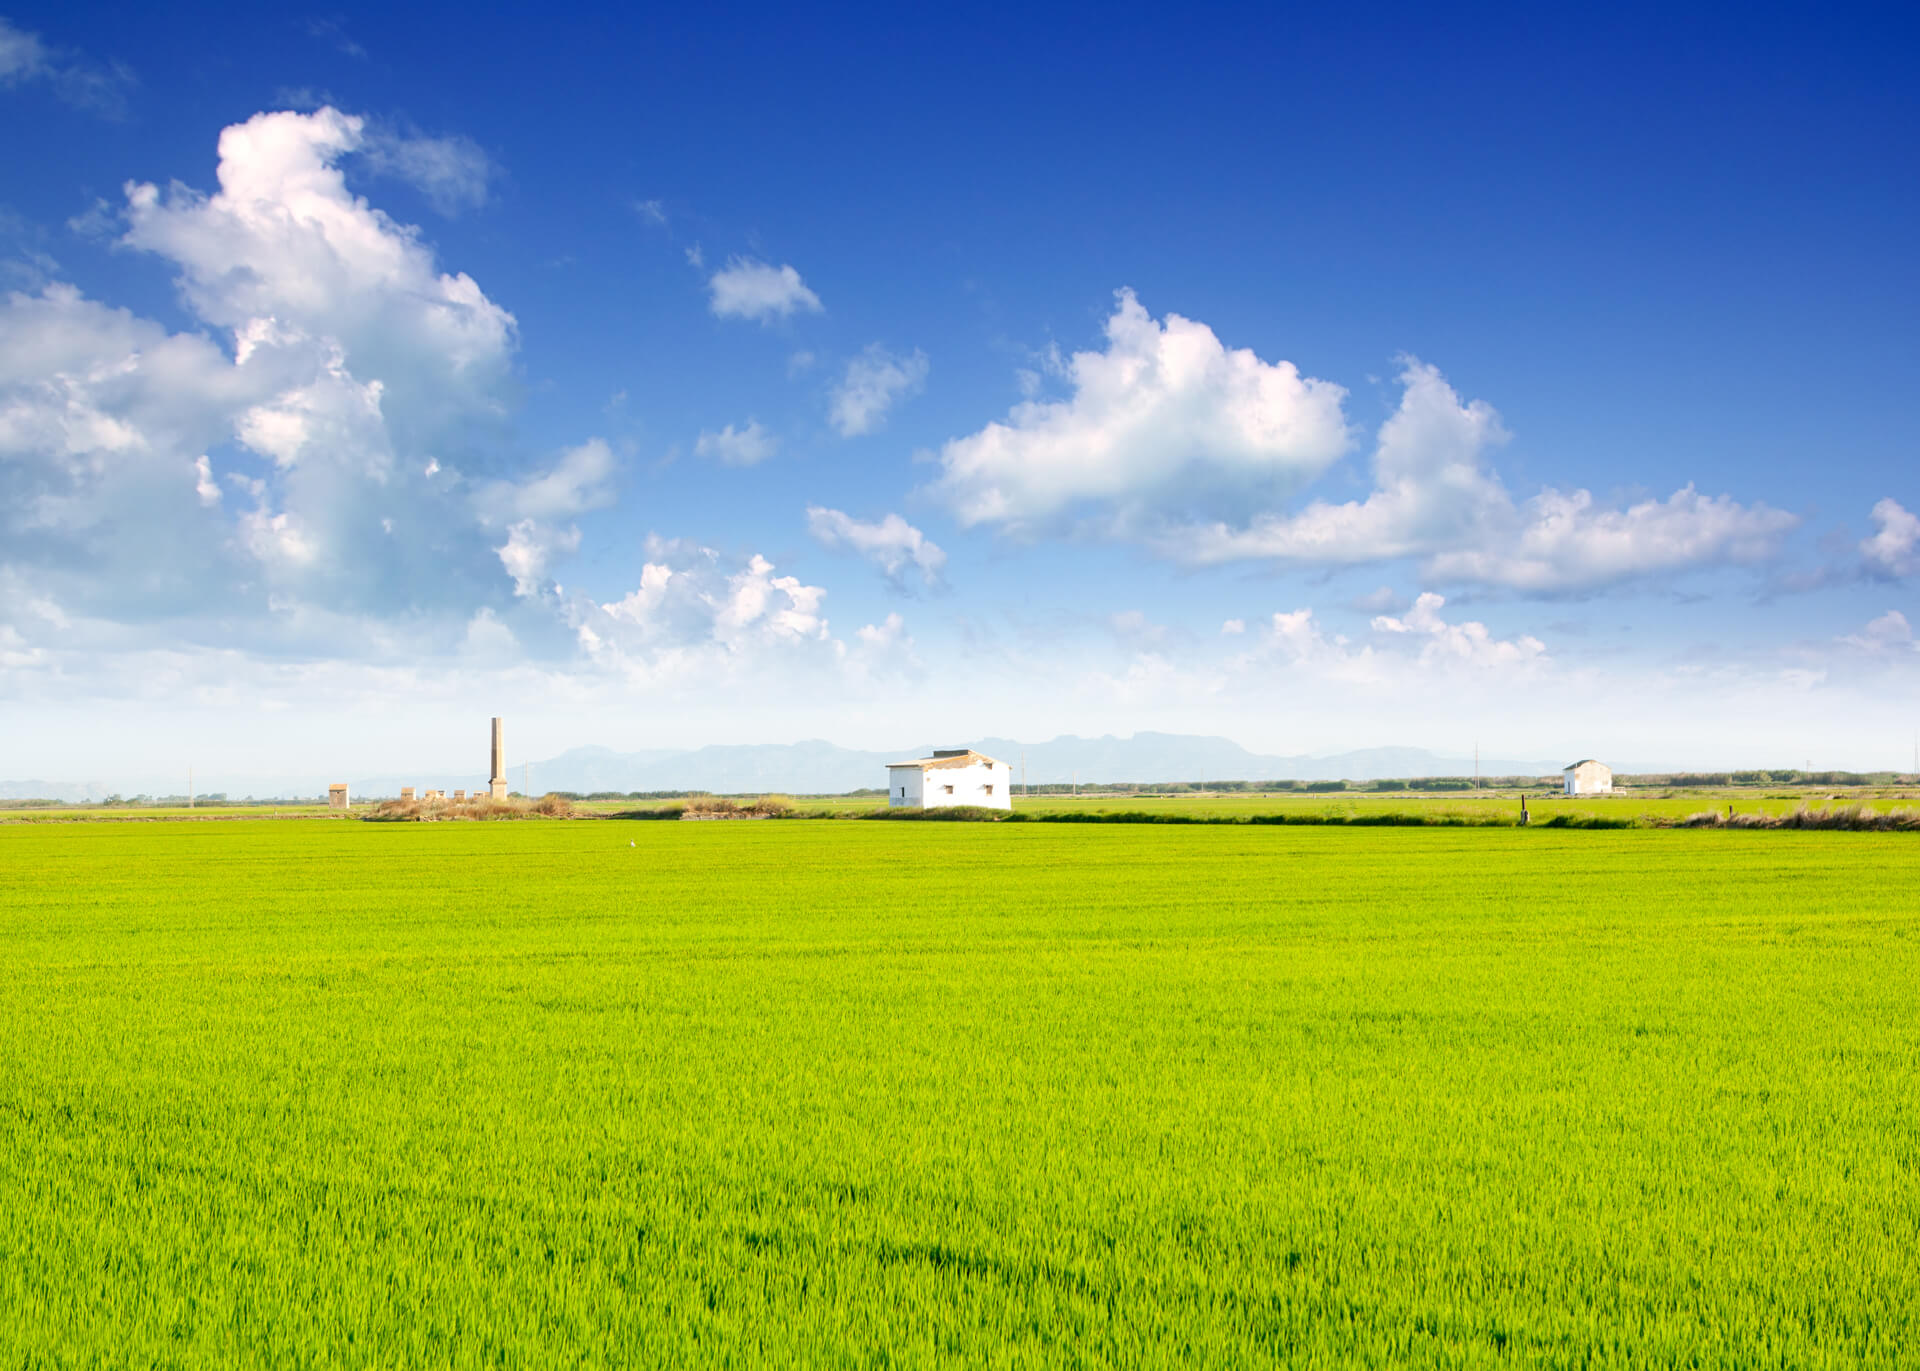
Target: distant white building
{"x": 1589, "y": 778}
{"x": 957, "y": 776}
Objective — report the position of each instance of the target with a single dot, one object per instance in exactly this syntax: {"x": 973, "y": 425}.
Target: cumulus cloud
{"x": 1893, "y": 552}
{"x": 104, "y": 418}
{"x": 316, "y": 471}
{"x": 333, "y": 367}
{"x": 1436, "y": 497}
{"x": 1889, "y": 633}
{"x": 1295, "y": 639}
{"x": 100, "y": 87}
{"x": 532, "y": 510}
{"x": 749, "y": 289}
{"x": 1420, "y": 645}
{"x": 1164, "y": 416}
{"x": 1468, "y": 642}
{"x": 530, "y": 551}
{"x": 891, "y": 632}
{"x": 873, "y": 382}
{"x": 733, "y": 447}
{"x": 690, "y": 601}
{"x": 1563, "y": 541}
{"x": 892, "y": 544}
{"x": 284, "y": 243}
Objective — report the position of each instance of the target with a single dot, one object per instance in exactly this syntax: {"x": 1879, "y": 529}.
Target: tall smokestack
{"x": 498, "y": 776}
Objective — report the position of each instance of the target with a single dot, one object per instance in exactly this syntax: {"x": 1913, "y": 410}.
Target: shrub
{"x": 943, "y": 814}
{"x": 550, "y": 806}
{"x": 1847, "y": 818}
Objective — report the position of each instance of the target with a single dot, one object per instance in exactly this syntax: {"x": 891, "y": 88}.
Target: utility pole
{"x": 189, "y": 785}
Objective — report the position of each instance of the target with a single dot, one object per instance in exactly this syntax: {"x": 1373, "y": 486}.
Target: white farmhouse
{"x": 956, "y": 776}
{"x": 1589, "y": 778}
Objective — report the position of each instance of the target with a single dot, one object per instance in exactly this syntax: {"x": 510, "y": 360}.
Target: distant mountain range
{"x": 822, "y": 768}
{"x": 818, "y": 768}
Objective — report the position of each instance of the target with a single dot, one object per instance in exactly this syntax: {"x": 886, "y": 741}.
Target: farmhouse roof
{"x": 1582, "y": 762}
{"x": 961, "y": 757}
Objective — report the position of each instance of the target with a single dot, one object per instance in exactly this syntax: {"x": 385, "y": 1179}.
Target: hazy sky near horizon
{"x": 1536, "y": 379}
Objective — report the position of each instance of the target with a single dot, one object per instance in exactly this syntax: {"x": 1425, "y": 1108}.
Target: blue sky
{"x": 749, "y": 375}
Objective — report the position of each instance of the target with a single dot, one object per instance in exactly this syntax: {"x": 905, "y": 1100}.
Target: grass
{"x": 904, "y": 1094}
{"x": 1854, "y": 817}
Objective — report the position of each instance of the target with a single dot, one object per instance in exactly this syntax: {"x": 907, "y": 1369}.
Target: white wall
{"x": 1590, "y": 778}
{"x": 987, "y": 785}
{"x": 904, "y": 790}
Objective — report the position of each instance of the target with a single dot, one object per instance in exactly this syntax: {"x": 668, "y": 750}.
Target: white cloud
{"x": 84, "y": 84}
{"x": 1234, "y": 627}
{"x": 284, "y": 244}
{"x": 892, "y": 544}
{"x": 532, "y": 510}
{"x": 452, "y": 171}
{"x": 1295, "y": 639}
{"x": 749, "y": 289}
{"x": 1164, "y": 416}
{"x": 733, "y": 447}
{"x": 692, "y": 612}
{"x": 889, "y": 633}
{"x": 1430, "y": 484}
{"x": 333, "y": 32}
{"x": 1419, "y": 647}
{"x": 203, "y": 482}
{"x": 874, "y": 380}
{"x": 331, "y": 360}
{"x": 22, "y": 54}
{"x": 1468, "y": 642}
{"x": 488, "y": 639}
{"x": 577, "y": 482}
{"x": 1893, "y": 551}
{"x": 1564, "y": 543}
{"x": 1436, "y": 498}
{"x": 16, "y": 654}
{"x": 530, "y": 551}
{"x": 103, "y": 417}
{"x": 652, "y": 211}
{"x": 1889, "y": 633}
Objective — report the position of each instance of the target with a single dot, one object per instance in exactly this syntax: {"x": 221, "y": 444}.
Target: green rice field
{"x": 311, "y": 1092}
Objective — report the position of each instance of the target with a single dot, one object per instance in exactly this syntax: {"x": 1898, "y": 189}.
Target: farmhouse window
{"x": 987, "y": 788}
{"x": 949, "y": 790}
